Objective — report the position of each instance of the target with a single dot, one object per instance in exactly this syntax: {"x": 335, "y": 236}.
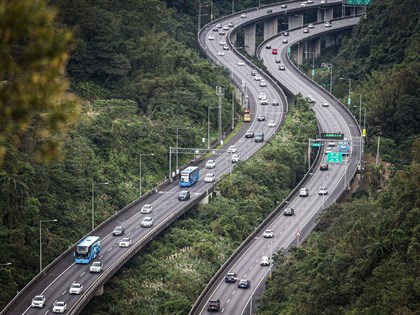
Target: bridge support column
{"x": 325, "y": 15}
{"x": 233, "y": 38}
{"x": 100, "y": 291}
{"x": 205, "y": 199}
{"x": 297, "y": 54}
{"x": 329, "y": 14}
{"x": 270, "y": 28}
{"x": 295, "y": 21}
{"x": 249, "y": 39}
{"x": 316, "y": 46}
{"x": 329, "y": 40}
{"x": 361, "y": 10}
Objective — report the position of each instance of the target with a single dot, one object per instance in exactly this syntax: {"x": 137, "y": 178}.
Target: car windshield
{"x": 59, "y": 304}
{"x": 147, "y": 219}
{"x": 38, "y": 298}
{"x": 125, "y": 240}
{"x": 75, "y": 285}
{"x": 96, "y": 264}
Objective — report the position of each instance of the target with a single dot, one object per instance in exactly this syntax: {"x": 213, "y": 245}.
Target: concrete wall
{"x": 295, "y": 20}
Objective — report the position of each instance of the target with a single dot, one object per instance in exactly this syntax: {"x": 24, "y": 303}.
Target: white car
{"x": 323, "y": 191}
{"x": 325, "y": 104}
{"x": 328, "y": 149}
{"x": 226, "y": 47}
{"x": 304, "y": 192}
{"x": 59, "y": 307}
{"x": 261, "y": 95}
{"x": 263, "y": 83}
{"x": 268, "y": 234}
{"x": 281, "y": 67}
{"x": 76, "y": 288}
{"x": 232, "y": 149}
{"x": 264, "y": 101}
{"x": 38, "y": 301}
{"x": 231, "y": 24}
{"x": 221, "y": 53}
{"x": 146, "y": 208}
{"x": 226, "y": 27}
{"x": 222, "y": 42}
{"x": 306, "y": 30}
{"x": 211, "y": 164}
{"x": 257, "y": 77}
{"x": 303, "y": 4}
{"x": 211, "y": 37}
{"x": 271, "y": 123}
{"x": 310, "y": 25}
{"x": 310, "y": 99}
{"x": 235, "y": 158}
{"x": 125, "y": 242}
{"x": 327, "y": 24}
{"x": 265, "y": 261}
{"x": 147, "y": 222}
{"x": 97, "y": 266}
{"x": 285, "y": 41}
{"x": 243, "y": 15}
{"x": 210, "y": 178}
{"x": 241, "y": 63}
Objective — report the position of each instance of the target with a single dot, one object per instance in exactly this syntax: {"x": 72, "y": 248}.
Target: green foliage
{"x": 167, "y": 276}
{"x": 33, "y": 56}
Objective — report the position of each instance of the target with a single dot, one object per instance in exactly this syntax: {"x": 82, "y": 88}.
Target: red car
{"x": 324, "y": 167}
{"x": 274, "y": 51}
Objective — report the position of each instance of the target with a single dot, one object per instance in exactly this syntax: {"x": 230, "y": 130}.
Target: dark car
{"x": 119, "y": 230}
{"x": 259, "y": 137}
{"x": 243, "y": 284}
{"x": 324, "y": 167}
{"x": 184, "y": 195}
{"x": 231, "y": 277}
{"x": 289, "y": 211}
{"x": 249, "y": 134}
{"x": 283, "y": 6}
{"x": 269, "y": 11}
{"x": 268, "y": 46}
{"x": 213, "y": 305}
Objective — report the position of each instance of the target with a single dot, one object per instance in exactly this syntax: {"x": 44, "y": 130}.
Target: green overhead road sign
{"x": 332, "y": 135}
{"x": 359, "y": 2}
{"x": 316, "y": 144}
{"x": 335, "y": 157}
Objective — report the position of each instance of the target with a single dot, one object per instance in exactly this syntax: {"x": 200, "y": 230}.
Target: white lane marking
{"x": 227, "y": 302}
{"x": 64, "y": 292}
{"x": 137, "y": 226}
{"x": 223, "y": 309}
{"x": 233, "y": 292}
{"x": 251, "y": 267}
{"x": 81, "y": 275}
{"x": 128, "y": 234}
{"x": 45, "y": 312}
{"x": 286, "y": 226}
{"x": 101, "y": 257}
{"x": 109, "y": 249}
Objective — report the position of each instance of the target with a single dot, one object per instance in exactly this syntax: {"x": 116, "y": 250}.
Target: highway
{"x": 59, "y": 276}
{"x": 291, "y": 229}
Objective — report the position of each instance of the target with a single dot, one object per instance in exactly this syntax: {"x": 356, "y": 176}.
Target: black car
{"x": 184, "y": 195}
{"x": 283, "y": 6}
{"x": 119, "y": 230}
{"x": 243, "y": 284}
{"x": 268, "y": 46}
{"x": 213, "y": 305}
{"x": 289, "y": 211}
{"x": 231, "y": 277}
{"x": 249, "y": 134}
{"x": 324, "y": 167}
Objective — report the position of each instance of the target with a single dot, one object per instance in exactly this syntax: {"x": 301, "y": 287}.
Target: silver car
{"x": 59, "y": 307}
{"x": 146, "y": 208}
{"x": 76, "y": 288}
{"x": 147, "y": 222}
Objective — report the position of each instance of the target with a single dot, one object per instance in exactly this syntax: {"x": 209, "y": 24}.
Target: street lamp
{"x": 40, "y": 241}
{"x": 93, "y": 201}
{"x": 313, "y": 62}
{"x": 349, "y": 98}
{"x": 208, "y": 125}
{"x": 152, "y": 154}
{"x": 6, "y": 264}
{"x": 331, "y": 75}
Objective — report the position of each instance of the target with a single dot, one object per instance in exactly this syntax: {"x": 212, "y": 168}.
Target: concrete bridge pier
{"x": 233, "y": 38}
{"x": 297, "y": 54}
{"x": 295, "y": 21}
{"x": 100, "y": 291}
{"x": 249, "y": 39}
{"x": 325, "y": 15}
{"x": 316, "y": 46}
{"x": 329, "y": 40}
{"x": 270, "y": 28}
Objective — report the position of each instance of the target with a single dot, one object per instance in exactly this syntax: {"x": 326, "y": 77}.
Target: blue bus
{"x": 189, "y": 176}
{"x": 87, "y": 250}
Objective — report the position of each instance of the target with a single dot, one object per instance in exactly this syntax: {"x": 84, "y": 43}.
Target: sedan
{"x": 222, "y": 42}
{"x": 211, "y": 164}
{"x": 38, "y": 301}
{"x": 249, "y": 134}
{"x": 277, "y": 60}
{"x": 261, "y": 95}
{"x": 257, "y": 77}
{"x": 325, "y": 104}
{"x": 324, "y": 167}
{"x": 282, "y": 68}
{"x": 222, "y": 32}
{"x": 97, "y": 266}
{"x": 241, "y": 63}
{"x": 226, "y": 47}
{"x": 59, "y": 307}
{"x": 226, "y": 27}
{"x": 271, "y": 123}
{"x": 125, "y": 242}
{"x": 210, "y": 178}
{"x": 231, "y": 24}
{"x": 146, "y": 208}
{"x": 220, "y": 53}
{"x": 265, "y": 261}
{"x": 243, "y": 284}
{"x": 306, "y": 30}
{"x": 119, "y": 230}
{"x": 147, "y": 222}
{"x": 261, "y": 118}
{"x": 327, "y": 24}
{"x": 285, "y": 41}
{"x": 310, "y": 25}
{"x": 304, "y": 192}
{"x": 232, "y": 149}
{"x": 235, "y": 158}
{"x": 243, "y": 15}
{"x": 283, "y": 6}
{"x": 274, "y": 51}
{"x": 289, "y": 211}
{"x": 268, "y": 234}
{"x": 76, "y": 288}
{"x": 323, "y": 191}
{"x": 231, "y": 277}
{"x": 184, "y": 195}
{"x": 211, "y": 37}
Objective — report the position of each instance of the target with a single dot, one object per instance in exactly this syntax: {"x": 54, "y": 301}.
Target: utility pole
{"x": 233, "y": 110}
{"x": 220, "y": 92}
{"x": 377, "y": 151}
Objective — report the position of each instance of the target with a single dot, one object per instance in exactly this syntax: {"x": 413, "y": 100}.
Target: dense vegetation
{"x": 169, "y": 274}
{"x": 138, "y": 78}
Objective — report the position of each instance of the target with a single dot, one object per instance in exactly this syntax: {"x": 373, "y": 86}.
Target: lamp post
{"x": 349, "y": 98}
{"x": 330, "y": 66}
{"x": 93, "y": 201}
{"x": 313, "y": 62}
{"x": 6, "y": 264}
{"x": 150, "y": 154}
{"x": 40, "y": 242}
{"x": 208, "y": 125}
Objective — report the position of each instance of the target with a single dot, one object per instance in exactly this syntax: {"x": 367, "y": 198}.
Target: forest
{"x": 127, "y": 76}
